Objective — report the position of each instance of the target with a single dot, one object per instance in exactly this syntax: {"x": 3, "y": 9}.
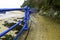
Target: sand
{"x": 9, "y": 16}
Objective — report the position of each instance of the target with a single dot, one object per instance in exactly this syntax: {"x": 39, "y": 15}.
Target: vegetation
{"x": 50, "y": 8}
{"x": 11, "y": 24}
{"x": 17, "y": 29}
{"x": 8, "y": 37}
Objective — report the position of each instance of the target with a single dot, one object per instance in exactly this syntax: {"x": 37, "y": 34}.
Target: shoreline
{"x": 9, "y": 17}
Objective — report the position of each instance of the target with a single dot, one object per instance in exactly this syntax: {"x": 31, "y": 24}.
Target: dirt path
{"x": 35, "y": 31}
{"x": 43, "y": 29}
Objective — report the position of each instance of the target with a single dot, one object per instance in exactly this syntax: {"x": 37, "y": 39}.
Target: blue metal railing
{"x": 25, "y": 20}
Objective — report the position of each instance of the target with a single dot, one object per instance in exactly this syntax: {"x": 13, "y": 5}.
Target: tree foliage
{"x": 45, "y": 5}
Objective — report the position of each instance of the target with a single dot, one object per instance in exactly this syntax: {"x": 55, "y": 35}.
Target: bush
{"x": 11, "y": 24}
{"x": 8, "y": 37}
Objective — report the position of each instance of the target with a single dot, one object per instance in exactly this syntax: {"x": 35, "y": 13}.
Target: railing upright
{"x": 25, "y": 20}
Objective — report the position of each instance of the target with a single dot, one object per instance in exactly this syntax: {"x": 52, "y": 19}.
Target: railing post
{"x": 27, "y": 17}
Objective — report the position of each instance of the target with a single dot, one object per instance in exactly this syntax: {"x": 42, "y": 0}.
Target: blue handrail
{"x": 6, "y": 31}
{"x": 25, "y": 20}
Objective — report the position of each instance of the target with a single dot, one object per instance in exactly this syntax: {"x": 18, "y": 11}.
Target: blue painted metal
{"x": 12, "y": 27}
{"x": 25, "y": 27}
{"x": 25, "y": 20}
{"x": 11, "y": 9}
{"x": 21, "y": 31}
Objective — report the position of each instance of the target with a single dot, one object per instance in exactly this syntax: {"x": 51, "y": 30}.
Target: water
{"x": 11, "y": 14}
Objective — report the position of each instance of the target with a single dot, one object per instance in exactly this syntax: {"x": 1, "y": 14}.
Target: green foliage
{"x": 41, "y": 3}
{"x": 18, "y": 28}
{"x": 57, "y": 2}
{"x": 8, "y": 37}
{"x": 45, "y": 5}
{"x": 11, "y": 24}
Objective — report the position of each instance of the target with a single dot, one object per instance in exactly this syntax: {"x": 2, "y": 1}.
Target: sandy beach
{"x": 9, "y": 16}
